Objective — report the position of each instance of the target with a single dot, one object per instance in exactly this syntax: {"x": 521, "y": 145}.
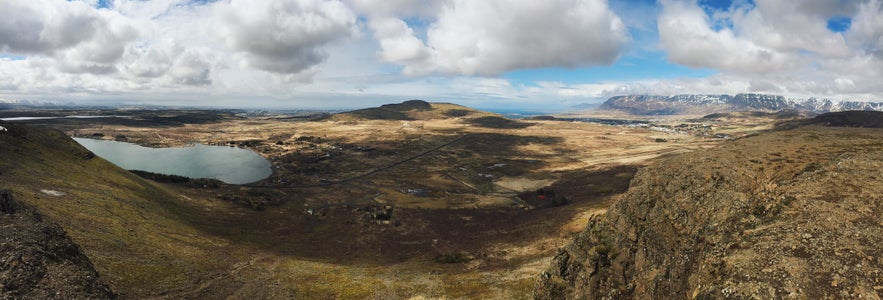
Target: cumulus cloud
{"x": 399, "y": 43}
{"x": 496, "y": 36}
{"x": 286, "y": 36}
{"x": 866, "y": 31}
{"x": 782, "y": 47}
{"x": 84, "y": 39}
{"x": 169, "y": 61}
{"x": 446, "y": 49}
{"x": 793, "y": 26}
{"x": 687, "y": 36}
{"x": 44, "y": 26}
{"x": 193, "y": 67}
{"x": 388, "y": 8}
{"x": 151, "y": 61}
{"x": 770, "y": 36}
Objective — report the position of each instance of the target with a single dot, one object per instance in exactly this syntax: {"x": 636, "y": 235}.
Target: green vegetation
{"x": 452, "y": 258}
{"x": 167, "y": 178}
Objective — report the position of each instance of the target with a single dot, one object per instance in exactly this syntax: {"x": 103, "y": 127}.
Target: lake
{"x": 228, "y": 164}
{"x": 12, "y": 119}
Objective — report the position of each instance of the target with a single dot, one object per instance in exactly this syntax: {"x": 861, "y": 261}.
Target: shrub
{"x": 161, "y": 177}
{"x": 451, "y": 258}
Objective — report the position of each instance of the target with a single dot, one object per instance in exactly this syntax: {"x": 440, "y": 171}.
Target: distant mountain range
{"x": 703, "y": 104}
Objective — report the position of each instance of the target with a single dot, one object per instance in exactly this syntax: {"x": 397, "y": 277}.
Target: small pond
{"x": 228, "y": 164}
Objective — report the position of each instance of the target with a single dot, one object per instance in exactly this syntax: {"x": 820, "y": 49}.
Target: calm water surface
{"x": 230, "y": 165}
{"x": 11, "y": 119}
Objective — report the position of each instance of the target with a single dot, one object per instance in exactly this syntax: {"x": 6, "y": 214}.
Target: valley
{"x": 410, "y": 200}
{"x": 415, "y": 199}
{"x": 446, "y": 149}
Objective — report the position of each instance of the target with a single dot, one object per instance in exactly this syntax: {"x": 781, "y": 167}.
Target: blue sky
{"x": 546, "y": 55}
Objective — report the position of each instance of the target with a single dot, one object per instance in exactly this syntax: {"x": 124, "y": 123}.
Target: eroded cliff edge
{"x": 788, "y": 214}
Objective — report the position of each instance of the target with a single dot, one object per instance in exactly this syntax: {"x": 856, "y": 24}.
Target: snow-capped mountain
{"x": 699, "y": 104}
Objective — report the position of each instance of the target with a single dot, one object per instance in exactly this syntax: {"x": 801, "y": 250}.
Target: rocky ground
{"x": 39, "y": 261}
{"x": 787, "y": 214}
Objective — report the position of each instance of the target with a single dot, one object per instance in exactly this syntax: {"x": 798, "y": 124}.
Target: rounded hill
{"x": 411, "y": 110}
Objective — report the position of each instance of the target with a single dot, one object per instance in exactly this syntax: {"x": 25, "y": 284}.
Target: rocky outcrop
{"x": 706, "y": 104}
{"x": 800, "y": 217}
{"x": 39, "y": 261}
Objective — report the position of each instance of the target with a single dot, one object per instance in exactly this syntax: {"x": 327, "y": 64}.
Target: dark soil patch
{"x": 498, "y": 123}
{"x": 866, "y": 119}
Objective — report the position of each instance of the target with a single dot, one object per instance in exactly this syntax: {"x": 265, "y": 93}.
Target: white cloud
{"x": 293, "y": 52}
{"x": 193, "y": 67}
{"x": 866, "y": 31}
{"x": 44, "y": 26}
{"x": 496, "y": 36}
{"x": 686, "y": 34}
{"x": 147, "y": 10}
{"x": 84, "y": 40}
{"x": 793, "y": 26}
{"x": 388, "y": 8}
{"x": 769, "y": 37}
{"x": 154, "y": 60}
{"x": 398, "y": 42}
{"x": 284, "y": 37}
{"x": 780, "y": 47}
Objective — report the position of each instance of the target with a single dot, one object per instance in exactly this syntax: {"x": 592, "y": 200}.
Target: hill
{"x": 799, "y": 217}
{"x": 708, "y": 104}
{"x": 410, "y": 110}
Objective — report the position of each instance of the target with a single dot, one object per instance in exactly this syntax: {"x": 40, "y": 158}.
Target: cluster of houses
{"x": 694, "y": 129}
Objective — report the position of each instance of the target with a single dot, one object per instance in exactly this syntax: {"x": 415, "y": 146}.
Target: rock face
{"x": 801, "y": 216}
{"x": 705, "y": 104}
{"x": 39, "y": 261}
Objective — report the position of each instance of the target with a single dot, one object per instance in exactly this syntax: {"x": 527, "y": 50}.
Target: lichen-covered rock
{"x": 39, "y": 261}
{"x": 789, "y": 214}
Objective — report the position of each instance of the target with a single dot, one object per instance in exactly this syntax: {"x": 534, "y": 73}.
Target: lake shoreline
{"x": 231, "y": 165}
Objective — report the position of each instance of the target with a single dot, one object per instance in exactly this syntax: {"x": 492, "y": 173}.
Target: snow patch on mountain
{"x": 698, "y": 103}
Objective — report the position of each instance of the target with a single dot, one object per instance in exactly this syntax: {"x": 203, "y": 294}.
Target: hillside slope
{"x": 799, "y": 216}
{"x": 39, "y": 261}
{"x": 134, "y": 231}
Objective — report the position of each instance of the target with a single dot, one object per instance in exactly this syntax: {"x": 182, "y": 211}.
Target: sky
{"x": 504, "y": 54}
